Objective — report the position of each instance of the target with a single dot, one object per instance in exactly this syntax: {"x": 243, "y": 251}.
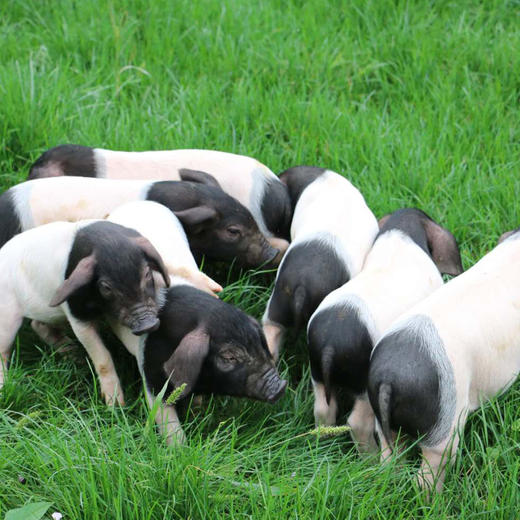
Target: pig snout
{"x": 262, "y": 253}
{"x": 269, "y": 387}
{"x": 143, "y": 322}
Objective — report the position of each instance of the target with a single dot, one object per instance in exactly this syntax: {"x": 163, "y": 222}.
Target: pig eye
{"x": 231, "y": 357}
{"x": 105, "y": 289}
{"x": 233, "y": 231}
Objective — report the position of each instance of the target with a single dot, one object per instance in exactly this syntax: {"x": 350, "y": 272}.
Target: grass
{"x": 416, "y": 102}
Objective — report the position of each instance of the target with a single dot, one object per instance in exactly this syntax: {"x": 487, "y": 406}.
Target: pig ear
{"x": 196, "y": 218}
{"x": 505, "y": 235}
{"x": 198, "y": 176}
{"x": 185, "y": 363}
{"x": 153, "y": 256}
{"x": 81, "y": 276}
{"x": 443, "y": 247}
{"x": 382, "y": 221}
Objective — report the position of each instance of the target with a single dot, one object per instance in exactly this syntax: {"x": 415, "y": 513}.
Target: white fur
{"x": 397, "y": 274}
{"x": 32, "y": 268}
{"x": 244, "y": 178}
{"x": 79, "y": 198}
{"x": 163, "y": 229}
{"x": 477, "y": 317}
{"x": 332, "y": 209}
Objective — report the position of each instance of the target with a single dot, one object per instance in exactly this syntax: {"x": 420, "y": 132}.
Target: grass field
{"x": 416, "y": 102}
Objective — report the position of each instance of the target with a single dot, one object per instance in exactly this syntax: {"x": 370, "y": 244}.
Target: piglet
{"x": 216, "y": 224}
{"x": 446, "y": 356}
{"x": 244, "y": 178}
{"x": 403, "y": 267}
{"x": 207, "y": 344}
{"x": 79, "y": 272}
{"x": 331, "y": 232}
{"x": 164, "y": 231}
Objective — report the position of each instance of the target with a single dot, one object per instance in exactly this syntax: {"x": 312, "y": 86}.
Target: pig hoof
{"x": 177, "y": 437}
{"x": 113, "y": 396}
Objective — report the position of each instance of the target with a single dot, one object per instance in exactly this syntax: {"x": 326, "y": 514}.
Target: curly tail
{"x": 298, "y": 305}
{"x": 384, "y": 402}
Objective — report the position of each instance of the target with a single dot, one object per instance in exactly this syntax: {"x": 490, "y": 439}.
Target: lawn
{"x": 416, "y": 102}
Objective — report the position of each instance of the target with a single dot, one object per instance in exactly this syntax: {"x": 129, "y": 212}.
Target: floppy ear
{"x": 505, "y": 235}
{"x": 81, "y": 276}
{"x": 198, "y": 176}
{"x": 382, "y": 221}
{"x": 153, "y": 256}
{"x": 197, "y": 218}
{"x": 443, "y": 247}
{"x": 185, "y": 363}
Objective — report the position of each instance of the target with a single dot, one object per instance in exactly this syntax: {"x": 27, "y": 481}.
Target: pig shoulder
{"x": 33, "y": 266}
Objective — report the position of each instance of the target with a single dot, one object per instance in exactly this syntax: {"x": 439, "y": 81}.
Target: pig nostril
{"x": 149, "y": 326}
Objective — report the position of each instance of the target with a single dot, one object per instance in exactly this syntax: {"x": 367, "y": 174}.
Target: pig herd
{"x": 117, "y": 236}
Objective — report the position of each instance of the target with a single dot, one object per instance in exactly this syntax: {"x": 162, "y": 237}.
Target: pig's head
{"x": 217, "y": 225}
{"x": 110, "y": 272}
{"x": 227, "y": 356}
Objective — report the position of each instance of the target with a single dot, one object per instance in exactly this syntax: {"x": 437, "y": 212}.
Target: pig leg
{"x": 386, "y": 449}
{"x": 274, "y": 334}
{"x": 12, "y": 319}
{"x": 101, "y": 359}
{"x": 56, "y": 337}
{"x": 167, "y": 420}
{"x": 324, "y": 413}
{"x": 361, "y": 421}
{"x": 435, "y": 461}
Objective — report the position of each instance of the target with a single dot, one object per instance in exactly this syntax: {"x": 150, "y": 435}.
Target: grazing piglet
{"x": 244, "y": 178}
{"x": 208, "y": 344}
{"x": 79, "y": 272}
{"x": 332, "y": 231}
{"x": 164, "y": 231}
{"x": 446, "y": 356}
{"x": 216, "y": 224}
{"x": 401, "y": 269}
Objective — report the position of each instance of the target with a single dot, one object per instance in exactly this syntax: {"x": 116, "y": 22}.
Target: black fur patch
{"x": 400, "y": 362}
{"x": 309, "y": 272}
{"x": 276, "y": 209}
{"x": 212, "y": 240}
{"x": 10, "y": 224}
{"x": 66, "y": 159}
{"x": 119, "y": 258}
{"x": 187, "y": 308}
{"x": 410, "y": 222}
{"x": 340, "y": 329}
{"x": 298, "y": 178}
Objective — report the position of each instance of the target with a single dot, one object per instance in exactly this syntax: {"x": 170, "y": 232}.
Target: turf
{"x": 416, "y": 102}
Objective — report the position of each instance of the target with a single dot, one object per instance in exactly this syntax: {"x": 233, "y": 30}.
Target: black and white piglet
{"x": 403, "y": 267}
{"x": 216, "y": 224}
{"x": 331, "y": 232}
{"x": 208, "y": 344}
{"x": 244, "y": 178}
{"x": 79, "y": 272}
{"x": 446, "y": 356}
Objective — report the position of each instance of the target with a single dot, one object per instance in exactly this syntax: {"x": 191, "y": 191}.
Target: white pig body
{"x": 465, "y": 341}
{"x": 331, "y": 232}
{"x": 244, "y": 178}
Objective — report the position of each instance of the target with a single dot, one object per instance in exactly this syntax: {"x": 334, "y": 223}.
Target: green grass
{"x": 416, "y": 102}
